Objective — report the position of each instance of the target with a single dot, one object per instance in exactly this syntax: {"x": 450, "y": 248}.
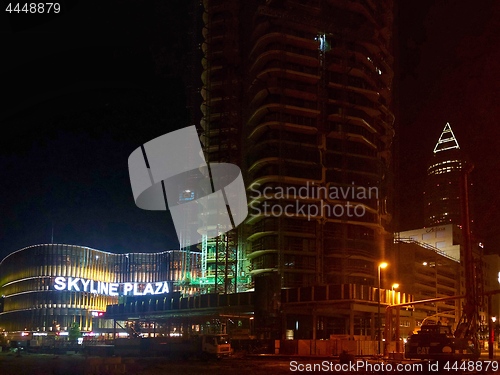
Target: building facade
{"x": 447, "y": 238}
{"x": 492, "y": 283}
{"x": 426, "y": 272}
{"x": 299, "y": 96}
{"x": 46, "y": 288}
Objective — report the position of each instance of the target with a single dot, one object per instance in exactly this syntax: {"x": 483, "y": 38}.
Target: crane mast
{"x": 467, "y": 327}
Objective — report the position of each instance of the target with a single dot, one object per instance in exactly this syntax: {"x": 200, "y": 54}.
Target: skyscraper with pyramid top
{"x": 442, "y": 188}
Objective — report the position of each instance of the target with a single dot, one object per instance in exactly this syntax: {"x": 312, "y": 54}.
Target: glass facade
{"x": 442, "y": 189}
{"x": 32, "y": 300}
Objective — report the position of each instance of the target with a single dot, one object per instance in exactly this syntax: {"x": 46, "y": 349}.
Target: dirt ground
{"x": 42, "y": 364}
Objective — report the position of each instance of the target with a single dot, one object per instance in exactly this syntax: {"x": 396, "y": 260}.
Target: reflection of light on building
{"x": 184, "y": 268}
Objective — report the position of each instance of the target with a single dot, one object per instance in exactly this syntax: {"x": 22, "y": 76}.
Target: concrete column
{"x": 398, "y": 313}
{"x": 372, "y": 325}
{"x": 283, "y": 326}
{"x": 351, "y": 320}
{"x": 314, "y": 324}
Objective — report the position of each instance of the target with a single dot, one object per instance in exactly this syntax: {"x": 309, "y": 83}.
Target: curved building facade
{"x": 303, "y": 91}
{"x": 48, "y": 287}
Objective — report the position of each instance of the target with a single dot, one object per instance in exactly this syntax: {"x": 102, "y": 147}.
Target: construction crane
{"x": 467, "y": 327}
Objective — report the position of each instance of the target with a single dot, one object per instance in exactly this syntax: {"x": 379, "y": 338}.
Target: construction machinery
{"x": 436, "y": 341}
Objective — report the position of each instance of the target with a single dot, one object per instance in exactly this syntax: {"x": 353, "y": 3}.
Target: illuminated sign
{"x": 77, "y": 284}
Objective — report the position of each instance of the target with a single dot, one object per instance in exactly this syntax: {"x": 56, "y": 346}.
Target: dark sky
{"x": 83, "y": 89}
{"x": 449, "y": 71}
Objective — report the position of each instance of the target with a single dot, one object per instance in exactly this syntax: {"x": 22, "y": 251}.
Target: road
{"x": 75, "y": 364}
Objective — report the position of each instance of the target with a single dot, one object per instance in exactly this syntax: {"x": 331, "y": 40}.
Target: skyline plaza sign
{"x": 77, "y": 284}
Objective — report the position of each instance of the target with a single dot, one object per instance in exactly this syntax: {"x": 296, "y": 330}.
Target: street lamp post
{"x": 380, "y": 266}
{"x": 491, "y": 338}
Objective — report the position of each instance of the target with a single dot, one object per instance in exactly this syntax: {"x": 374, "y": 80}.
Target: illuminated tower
{"x": 298, "y": 94}
{"x": 442, "y": 190}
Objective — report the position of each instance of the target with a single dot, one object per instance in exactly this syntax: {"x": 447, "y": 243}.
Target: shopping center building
{"x": 45, "y": 288}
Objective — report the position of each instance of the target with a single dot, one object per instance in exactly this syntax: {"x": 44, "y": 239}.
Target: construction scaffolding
{"x": 222, "y": 266}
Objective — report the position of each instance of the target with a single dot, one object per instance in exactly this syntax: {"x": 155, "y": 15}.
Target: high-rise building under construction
{"x": 298, "y": 94}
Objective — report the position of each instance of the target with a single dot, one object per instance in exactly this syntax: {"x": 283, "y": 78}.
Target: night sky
{"x": 82, "y": 90}
{"x": 449, "y": 71}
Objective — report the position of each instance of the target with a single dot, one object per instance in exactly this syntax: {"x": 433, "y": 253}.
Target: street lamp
{"x": 380, "y": 266}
